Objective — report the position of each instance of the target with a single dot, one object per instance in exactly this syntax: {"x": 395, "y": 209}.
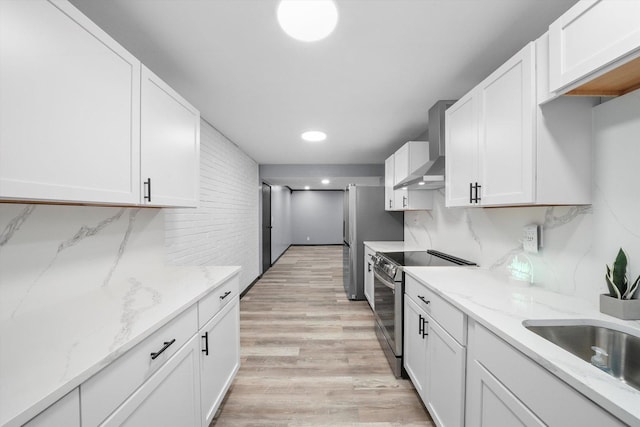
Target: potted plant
{"x": 620, "y": 302}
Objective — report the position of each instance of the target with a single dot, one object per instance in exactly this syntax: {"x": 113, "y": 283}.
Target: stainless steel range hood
{"x": 431, "y": 174}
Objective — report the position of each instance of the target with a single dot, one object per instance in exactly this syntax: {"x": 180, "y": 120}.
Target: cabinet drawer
{"x": 525, "y": 379}
{"x": 211, "y": 304}
{"x": 106, "y": 390}
{"x": 450, "y": 318}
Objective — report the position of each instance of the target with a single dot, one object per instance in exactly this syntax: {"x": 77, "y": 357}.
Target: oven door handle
{"x": 384, "y": 281}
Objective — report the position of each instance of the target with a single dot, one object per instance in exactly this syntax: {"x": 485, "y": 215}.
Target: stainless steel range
{"x": 389, "y": 296}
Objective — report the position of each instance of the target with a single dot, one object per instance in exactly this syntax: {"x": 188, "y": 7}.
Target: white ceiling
{"x": 368, "y": 85}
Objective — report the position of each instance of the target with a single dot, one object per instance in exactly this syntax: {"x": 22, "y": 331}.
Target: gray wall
{"x": 317, "y": 217}
{"x": 280, "y": 220}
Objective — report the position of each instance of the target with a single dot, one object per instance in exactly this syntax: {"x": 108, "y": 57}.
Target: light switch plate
{"x": 532, "y": 238}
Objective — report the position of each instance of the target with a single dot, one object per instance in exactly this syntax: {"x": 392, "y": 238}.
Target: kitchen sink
{"x": 619, "y": 346}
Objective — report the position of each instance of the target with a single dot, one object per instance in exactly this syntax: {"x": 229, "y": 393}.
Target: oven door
{"x": 388, "y": 309}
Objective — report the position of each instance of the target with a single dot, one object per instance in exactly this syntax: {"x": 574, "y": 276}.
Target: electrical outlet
{"x": 532, "y": 238}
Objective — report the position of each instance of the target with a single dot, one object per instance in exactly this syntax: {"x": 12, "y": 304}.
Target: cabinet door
{"x": 368, "y": 276}
{"x": 401, "y": 199}
{"x": 507, "y": 114}
{"x": 170, "y": 397}
{"x": 219, "y": 358}
{"x": 590, "y": 36}
{"x": 65, "y": 412}
{"x": 415, "y": 356}
{"x": 461, "y": 161}
{"x": 69, "y": 109}
{"x": 401, "y": 164}
{"x": 489, "y": 403}
{"x": 446, "y": 379}
{"x": 388, "y": 184}
{"x": 170, "y": 144}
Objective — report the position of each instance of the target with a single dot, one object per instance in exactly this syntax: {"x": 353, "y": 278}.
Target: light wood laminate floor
{"x": 310, "y": 357}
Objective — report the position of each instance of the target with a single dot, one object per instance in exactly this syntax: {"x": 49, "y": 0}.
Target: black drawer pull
{"x": 425, "y": 327}
{"x": 166, "y": 346}
{"x": 226, "y": 294}
{"x": 424, "y": 300}
{"x": 420, "y": 324}
{"x": 206, "y": 343}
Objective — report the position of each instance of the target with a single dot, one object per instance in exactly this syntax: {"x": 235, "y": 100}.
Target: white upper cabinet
{"x": 170, "y": 145}
{"x": 592, "y": 38}
{"x": 401, "y": 167}
{"x": 462, "y": 150}
{"x": 408, "y": 159}
{"x": 81, "y": 120}
{"x": 504, "y": 149}
{"x": 389, "y": 194}
{"x": 507, "y": 99}
{"x": 69, "y": 109}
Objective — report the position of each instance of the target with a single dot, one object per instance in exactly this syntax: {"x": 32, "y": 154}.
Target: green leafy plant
{"x": 617, "y": 281}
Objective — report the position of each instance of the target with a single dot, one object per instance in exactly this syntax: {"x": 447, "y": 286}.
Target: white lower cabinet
{"x": 433, "y": 358}
{"x": 171, "y": 397}
{"x": 219, "y": 358}
{"x": 368, "y": 275}
{"x": 415, "y": 354}
{"x": 65, "y": 412}
{"x": 505, "y": 388}
{"x": 446, "y": 378}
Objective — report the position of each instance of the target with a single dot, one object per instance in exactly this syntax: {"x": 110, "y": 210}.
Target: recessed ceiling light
{"x": 306, "y": 187}
{"x": 307, "y": 20}
{"x": 314, "y": 136}
{"x": 325, "y": 181}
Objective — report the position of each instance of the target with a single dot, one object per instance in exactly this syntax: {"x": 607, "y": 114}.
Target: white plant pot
{"x": 627, "y": 309}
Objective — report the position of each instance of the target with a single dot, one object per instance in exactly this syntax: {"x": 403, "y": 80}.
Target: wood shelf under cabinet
{"x": 616, "y": 82}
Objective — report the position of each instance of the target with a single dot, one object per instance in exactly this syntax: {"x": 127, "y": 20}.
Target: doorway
{"x": 266, "y": 227}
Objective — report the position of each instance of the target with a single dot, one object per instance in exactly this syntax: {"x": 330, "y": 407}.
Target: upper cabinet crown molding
{"x": 505, "y": 149}
{"x": 595, "y": 49}
{"x": 81, "y": 141}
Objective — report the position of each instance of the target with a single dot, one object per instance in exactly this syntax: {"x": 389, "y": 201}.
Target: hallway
{"x": 310, "y": 357}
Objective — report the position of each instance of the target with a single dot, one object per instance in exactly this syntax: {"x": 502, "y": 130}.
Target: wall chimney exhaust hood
{"x": 430, "y": 175}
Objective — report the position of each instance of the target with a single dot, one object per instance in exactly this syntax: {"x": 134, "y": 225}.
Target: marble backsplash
{"x": 577, "y": 240}
{"x": 50, "y": 254}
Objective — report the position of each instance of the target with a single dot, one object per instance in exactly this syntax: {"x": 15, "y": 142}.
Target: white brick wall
{"x": 224, "y": 229}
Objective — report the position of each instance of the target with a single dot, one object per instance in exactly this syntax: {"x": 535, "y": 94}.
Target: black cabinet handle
{"x": 426, "y": 301}
{"x": 166, "y": 346}
{"x": 368, "y": 267}
{"x": 470, "y": 193}
{"x": 390, "y": 203}
{"x": 206, "y": 343}
{"x": 425, "y": 327}
{"x": 420, "y": 325}
{"x": 226, "y": 294}
{"x": 404, "y": 201}
{"x": 478, "y": 193}
{"x": 147, "y": 184}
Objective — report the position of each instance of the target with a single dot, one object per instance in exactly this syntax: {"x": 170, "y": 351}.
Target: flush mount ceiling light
{"x": 314, "y": 136}
{"x": 325, "y": 181}
{"x": 307, "y": 20}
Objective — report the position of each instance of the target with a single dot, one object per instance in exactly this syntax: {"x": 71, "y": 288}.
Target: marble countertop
{"x": 501, "y": 305}
{"x": 48, "y": 351}
{"x": 391, "y": 246}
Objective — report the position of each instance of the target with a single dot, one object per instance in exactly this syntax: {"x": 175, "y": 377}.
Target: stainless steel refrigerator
{"x": 365, "y": 220}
